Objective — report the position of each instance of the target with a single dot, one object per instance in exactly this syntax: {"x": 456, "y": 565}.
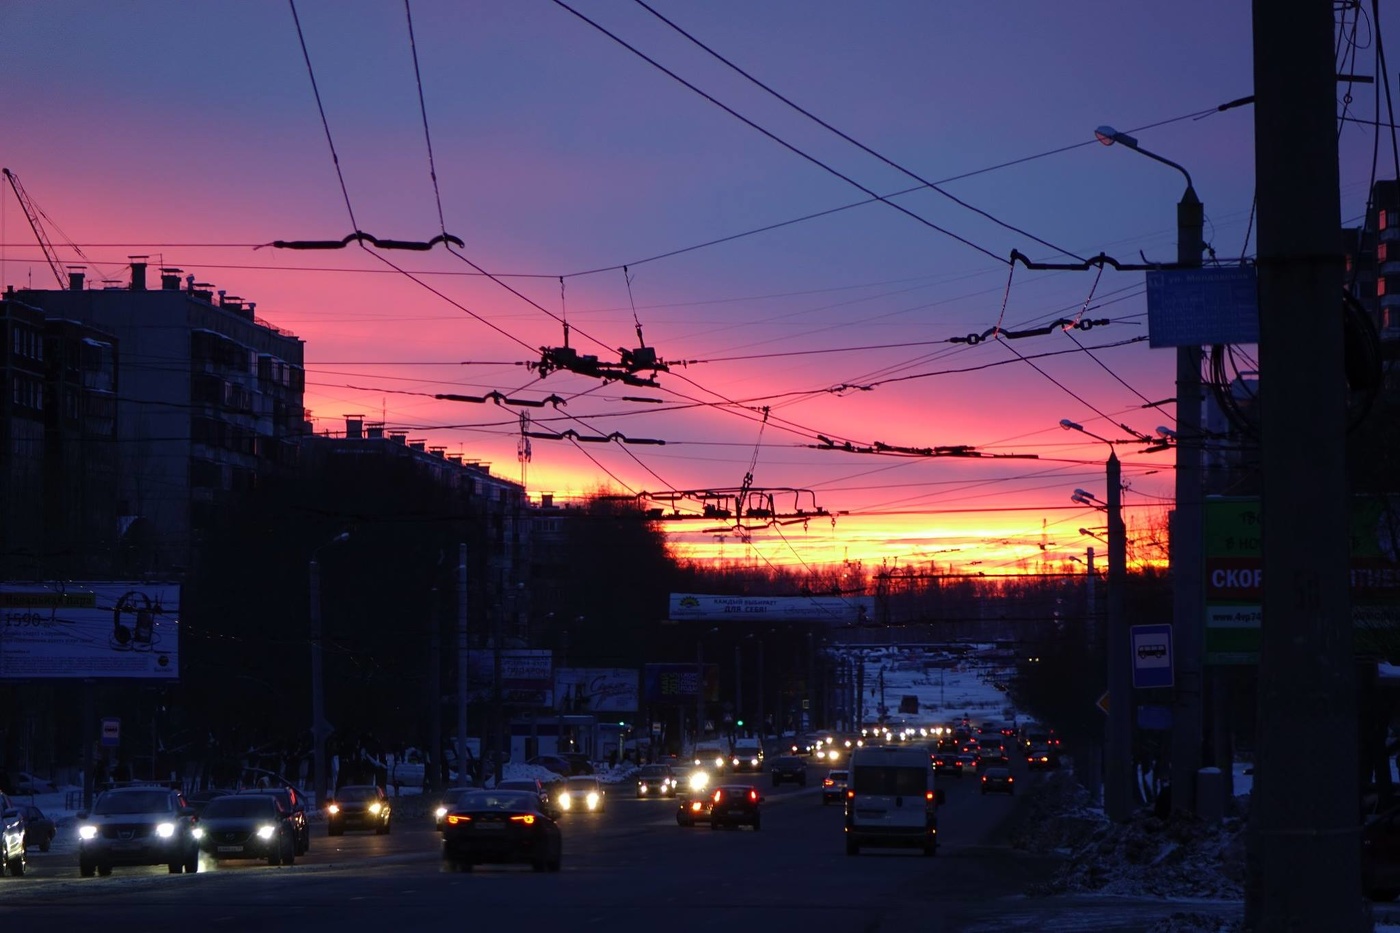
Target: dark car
{"x": 998, "y": 780}
{"x": 39, "y": 830}
{"x": 501, "y": 827}
{"x": 694, "y": 807}
{"x": 200, "y": 798}
{"x": 294, "y": 802}
{"x": 12, "y": 845}
{"x": 735, "y": 805}
{"x": 1042, "y": 758}
{"x": 535, "y": 785}
{"x": 834, "y": 786}
{"x": 789, "y": 768}
{"x": 656, "y": 781}
{"x": 945, "y": 763}
{"x": 248, "y": 826}
{"x": 139, "y": 824}
{"x": 965, "y": 763}
{"x": 446, "y": 801}
{"x": 559, "y": 765}
{"x": 582, "y": 793}
{"x": 358, "y": 806}
{"x": 578, "y": 763}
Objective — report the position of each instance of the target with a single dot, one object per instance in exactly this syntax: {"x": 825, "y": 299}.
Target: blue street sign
{"x": 1189, "y": 307}
{"x": 1152, "y": 655}
{"x": 111, "y": 732}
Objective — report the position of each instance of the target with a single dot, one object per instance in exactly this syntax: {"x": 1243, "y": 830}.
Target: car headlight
{"x": 719, "y": 762}
{"x": 267, "y": 831}
{"x": 699, "y": 780}
{"x": 375, "y": 807}
{"x": 440, "y": 812}
{"x": 165, "y": 830}
{"x": 332, "y": 809}
{"x": 197, "y": 832}
{"x": 753, "y": 762}
{"x": 641, "y": 788}
{"x": 736, "y": 762}
{"x": 593, "y": 800}
{"x": 565, "y": 801}
{"x": 87, "y": 832}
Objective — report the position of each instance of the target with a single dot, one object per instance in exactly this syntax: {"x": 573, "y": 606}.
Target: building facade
{"x": 210, "y": 400}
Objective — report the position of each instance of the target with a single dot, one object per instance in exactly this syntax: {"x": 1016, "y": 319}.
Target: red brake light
{"x": 453, "y": 819}
{"x": 719, "y": 795}
{"x": 528, "y": 819}
{"x": 753, "y": 795}
{"x": 928, "y": 795}
{"x": 828, "y": 782}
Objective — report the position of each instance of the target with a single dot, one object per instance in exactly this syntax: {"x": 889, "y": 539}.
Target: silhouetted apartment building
{"x": 210, "y": 399}
{"x": 494, "y": 507}
{"x": 57, "y": 446}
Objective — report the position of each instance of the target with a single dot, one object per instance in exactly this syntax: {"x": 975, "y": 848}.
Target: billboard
{"x": 679, "y": 683}
{"x": 94, "y": 630}
{"x": 527, "y": 676}
{"x": 596, "y": 689}
{"x": 1234, "y": 583}
{"x": 834, "y": 610}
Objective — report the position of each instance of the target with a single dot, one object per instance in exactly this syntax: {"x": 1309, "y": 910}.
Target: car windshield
{"x": 491, "y": 800}
{"x": 517, "y": 785}
{"x": 153, "y": 801}
{"x": 234, "y": 807}
{"x": 789, "y": 762}
{"x": 656, "y": 771}
{"x": 583, "y": 783}
{"x": 838, "y": 775}
{"x": 357, "y": 794}
{"x": 454, "y": 794}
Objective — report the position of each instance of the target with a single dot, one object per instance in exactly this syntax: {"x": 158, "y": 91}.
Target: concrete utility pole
{"x": 463, "y": 666}
{"x": 1118, "y": 795}
{"x": 1303, "y": 865}
{"x": 1187, "y": 538}
{"x": 432, "y": 774}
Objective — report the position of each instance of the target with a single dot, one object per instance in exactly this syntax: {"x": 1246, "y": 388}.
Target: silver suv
{"x": 137, "y": 825}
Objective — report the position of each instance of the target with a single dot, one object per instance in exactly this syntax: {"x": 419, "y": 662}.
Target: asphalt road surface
{"x": 630, "y": 867}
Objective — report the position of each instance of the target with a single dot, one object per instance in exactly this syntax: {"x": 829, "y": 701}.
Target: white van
{"x": 891, "y": 800}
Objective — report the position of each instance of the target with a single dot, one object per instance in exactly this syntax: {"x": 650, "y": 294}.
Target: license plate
{"x": 490, "y": 827}
{"x": 230, "y": 848}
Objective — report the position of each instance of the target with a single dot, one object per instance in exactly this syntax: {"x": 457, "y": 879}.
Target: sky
{"x": 793, "y": 307}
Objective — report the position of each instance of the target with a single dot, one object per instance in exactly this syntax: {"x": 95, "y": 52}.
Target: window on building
{"x": 1380, "y": 285}
{"x": 1380, "y": 252}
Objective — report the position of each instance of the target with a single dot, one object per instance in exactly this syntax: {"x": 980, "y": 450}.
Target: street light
{"x": 318, "y": 693}
{"x": 1118, "y": 740}
{"x": 1187, "y": 528}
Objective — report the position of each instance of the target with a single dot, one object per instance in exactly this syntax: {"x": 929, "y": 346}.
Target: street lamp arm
{"x": 1108, "y": 136}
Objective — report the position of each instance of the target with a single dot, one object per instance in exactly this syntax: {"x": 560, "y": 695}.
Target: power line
{"x": 786, "y": 145}
{"x": 859, "y": 145}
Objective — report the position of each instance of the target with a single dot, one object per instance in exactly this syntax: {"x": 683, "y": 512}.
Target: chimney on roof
{"x": 75, "y": 279}
{"x": 354, "y": 427}
{"x": 189, "y": 283}
{"x": 419, "y": 445}
{"x": 546, "y": 500}
{"x": 170, "y": 278}
{"x": 138, "y": 273}
{"x": 374, "y": 430}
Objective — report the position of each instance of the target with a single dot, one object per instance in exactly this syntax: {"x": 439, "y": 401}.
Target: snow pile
{"x": 1182, "y": 857}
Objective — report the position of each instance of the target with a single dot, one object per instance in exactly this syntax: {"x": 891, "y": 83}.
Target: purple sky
{"x": 190, "y": 132}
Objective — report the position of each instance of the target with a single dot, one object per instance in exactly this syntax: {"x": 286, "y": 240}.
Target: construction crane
{"x": 36, "y": 216}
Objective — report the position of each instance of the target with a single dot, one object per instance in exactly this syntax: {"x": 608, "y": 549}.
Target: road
{"x": 630, "y": 867}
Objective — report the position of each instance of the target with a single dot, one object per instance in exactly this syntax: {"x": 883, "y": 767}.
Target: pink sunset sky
{"x": 191, "y": 133}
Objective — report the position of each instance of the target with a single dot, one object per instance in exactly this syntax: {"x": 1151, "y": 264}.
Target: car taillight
{"x": 753, "y": 795}
{"x": 828, "y": 782}
{"x": 719, "y": 795}
{"x": 1010, "y": 779}
{"x": 453, "y": 819}
{"x": 850, "y": 794}
{"x": 928, "y": 795}
{"x": 527, "y": 819}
